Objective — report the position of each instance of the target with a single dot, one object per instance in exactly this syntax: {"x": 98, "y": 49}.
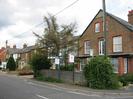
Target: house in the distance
{"x": 26, "y": 55}
{"x": 119, "y": 41}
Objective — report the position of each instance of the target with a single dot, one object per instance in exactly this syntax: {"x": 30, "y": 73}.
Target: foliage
{"x": 126, "y": 79}
{"x": 99, "y": 73}
{"x": 11, "y": 65}
{"x": 39, "y": 62}
{"x": 48, "y": 79}
{"x": 56, "y": 37}
{"x": 69, "y": 67}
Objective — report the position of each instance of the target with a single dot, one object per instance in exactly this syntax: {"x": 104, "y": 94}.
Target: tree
{"x": 56, "y": 37}
{"x": 11, "y": 65}
{"x": 99, "y": 73}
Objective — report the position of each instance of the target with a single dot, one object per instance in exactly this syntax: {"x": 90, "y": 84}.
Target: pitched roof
{"x": 27, "y": 49}
{"x": 18, "y": 51}
{"x": 13, "y": 50}
{"x": 121, "y": 21}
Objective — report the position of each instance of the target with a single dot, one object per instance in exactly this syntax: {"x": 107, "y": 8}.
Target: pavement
{"x": 128, "y": 90}
{"x": 124, "y": 93}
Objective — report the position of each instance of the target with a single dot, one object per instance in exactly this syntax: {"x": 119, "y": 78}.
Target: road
{"x": 13, "y": 87}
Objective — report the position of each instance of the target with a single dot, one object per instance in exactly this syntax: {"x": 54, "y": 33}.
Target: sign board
{"x": 57, "y": 61}
{"x": 71, "y": 58}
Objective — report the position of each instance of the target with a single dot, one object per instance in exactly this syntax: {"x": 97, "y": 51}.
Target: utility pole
{"x": 104, "y": 28}
{"x": 6, "y": 43}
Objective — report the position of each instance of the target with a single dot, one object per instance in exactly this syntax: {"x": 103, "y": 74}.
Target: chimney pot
{"x": 130, "y": 17}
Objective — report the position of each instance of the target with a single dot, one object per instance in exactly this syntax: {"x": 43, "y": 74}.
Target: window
{"x": 117, "y": 44}
{"x": 87, "y": 47}
{"x": 115, "y": 64}
{"x": 101, "y": 47}
{"x": 97, "y": 27}
{"x": 125, "y": 65}
{"x": 82, "y": 64}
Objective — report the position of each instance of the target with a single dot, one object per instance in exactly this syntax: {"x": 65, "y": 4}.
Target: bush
{"x": 11, "y": 65}
{"x": 126, "y": 79}
{"x": 99, "y": 74}
{"x": 39, "y": 62}
{"x": 67, "y": 68}
{"x": 48, "y": 79}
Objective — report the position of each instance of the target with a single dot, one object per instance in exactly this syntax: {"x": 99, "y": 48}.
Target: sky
{"x": 18, "y": 18}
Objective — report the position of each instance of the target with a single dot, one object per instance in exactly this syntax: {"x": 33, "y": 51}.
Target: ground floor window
{"x": 115, "y": 64}
{"x": 125, "y": 65}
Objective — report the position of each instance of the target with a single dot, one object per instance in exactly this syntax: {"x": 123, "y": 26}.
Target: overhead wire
{"x": 43, "y": 22}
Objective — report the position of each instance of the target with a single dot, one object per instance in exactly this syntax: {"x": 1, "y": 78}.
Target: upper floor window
{"x": 87, "y": 47}
{"x": 101, "y": 47}
{"x": 97, "y": 27}
{"x": 117, "y": 44}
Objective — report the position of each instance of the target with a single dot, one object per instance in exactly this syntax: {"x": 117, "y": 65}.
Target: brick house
{"x": 119, "y": 41}
{"x": 22, "y": 56}
{"x": 25, "y": 55}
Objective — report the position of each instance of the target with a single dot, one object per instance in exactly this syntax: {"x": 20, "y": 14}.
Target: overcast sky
{"x": 18, "y": 17}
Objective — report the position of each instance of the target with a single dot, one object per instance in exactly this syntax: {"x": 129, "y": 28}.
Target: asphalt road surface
{"x": 13, "y": 87}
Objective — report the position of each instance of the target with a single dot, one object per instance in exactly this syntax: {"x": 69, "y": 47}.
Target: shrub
{"x": 48, "y": 79}
{"x": 39, "y": 62}
{"x": 11, "y": 65}
{"x": 126, "y": 79}
{"x": 67, "y": 68}
{"x": 99, "y": 74}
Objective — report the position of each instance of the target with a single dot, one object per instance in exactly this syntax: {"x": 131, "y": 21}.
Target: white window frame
{"x": 101, "y": 46}
{"x": 97, "y": 27}
{"x": 115, "y": 64}
{"x": 125, "y": 65}
{"x": 87, "y": 47}
{"x": 117, "y": 44}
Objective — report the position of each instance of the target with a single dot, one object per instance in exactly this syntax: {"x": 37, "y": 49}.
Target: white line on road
{"x": 83, "y": 94}
{"x": 41, "y": 96}
{"x": 124, "y": 97}
{"x": 44, "y": 86}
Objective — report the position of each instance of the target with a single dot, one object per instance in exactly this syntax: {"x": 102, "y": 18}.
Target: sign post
{"x": 71, "y": 60}
{"x": 57, "y": 62}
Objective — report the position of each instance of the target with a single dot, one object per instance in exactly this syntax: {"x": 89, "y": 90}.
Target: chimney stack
{"x": 130, "y": 17}
{"x": 14, "y": 46}
{"x": 25, "y": 45}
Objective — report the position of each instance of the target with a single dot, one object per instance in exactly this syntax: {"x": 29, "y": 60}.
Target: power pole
{"x": 6, "y": 43}
{"x": 104, "y": 28}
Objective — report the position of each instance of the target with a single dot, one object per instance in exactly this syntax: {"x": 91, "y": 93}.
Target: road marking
{"x": 41, "y": 96}
{"x": 124, "y": 97}
{"x": 83, "y": 94}
{"x": 34, "y": 84}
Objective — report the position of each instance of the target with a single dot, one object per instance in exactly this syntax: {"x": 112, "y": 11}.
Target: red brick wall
{"x": 130, "y": 65}
{"x": 115, "y": 29}
{"x": 121, "y": 65}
